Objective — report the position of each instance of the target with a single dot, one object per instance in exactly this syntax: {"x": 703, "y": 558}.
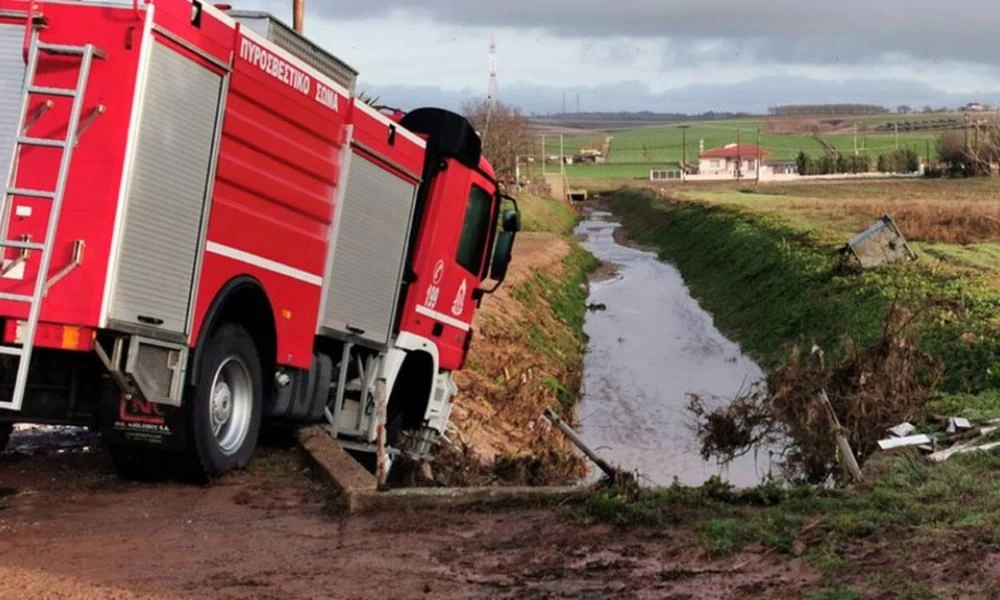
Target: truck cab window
{"x": 475, "y": 230}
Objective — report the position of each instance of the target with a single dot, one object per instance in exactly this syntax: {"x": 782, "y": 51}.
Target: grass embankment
{"x": 772, "y": 277}
{"x": 527, "y": 354}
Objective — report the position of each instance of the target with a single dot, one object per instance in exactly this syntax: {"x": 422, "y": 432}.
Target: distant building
{"x": 591, "y": 155}
{"x": 732, "y": 161}
{"x": 782, "y": 167}
{"x": 665, "y": 175}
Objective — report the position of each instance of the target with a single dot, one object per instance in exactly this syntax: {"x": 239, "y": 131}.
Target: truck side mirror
{"x": 512, "y": 221}
{"x": 501, "y": 255}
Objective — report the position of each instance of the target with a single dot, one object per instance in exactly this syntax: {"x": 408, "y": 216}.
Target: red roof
{"x": 734, "y": 151}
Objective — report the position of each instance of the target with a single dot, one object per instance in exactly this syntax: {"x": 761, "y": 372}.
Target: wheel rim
{"x": 231, "y": 404}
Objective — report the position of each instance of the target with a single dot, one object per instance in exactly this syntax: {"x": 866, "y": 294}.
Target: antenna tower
{"x": 494, "y": 83}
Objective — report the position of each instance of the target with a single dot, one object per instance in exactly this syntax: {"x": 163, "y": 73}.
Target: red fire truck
{"x": 202, "y": 228}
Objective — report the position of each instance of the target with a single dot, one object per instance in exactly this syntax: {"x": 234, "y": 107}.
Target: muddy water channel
{"x": 649, "y": 348}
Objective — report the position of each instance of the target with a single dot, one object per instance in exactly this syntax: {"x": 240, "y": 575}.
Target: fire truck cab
{"x": 202, "y": 227}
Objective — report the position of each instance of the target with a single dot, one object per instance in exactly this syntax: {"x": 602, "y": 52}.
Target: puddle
{"x": 50, "y": 439}
{"x": 649, "y": 348}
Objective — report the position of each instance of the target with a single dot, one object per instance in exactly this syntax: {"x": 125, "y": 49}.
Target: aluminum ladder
{"x": 87, "y": 54}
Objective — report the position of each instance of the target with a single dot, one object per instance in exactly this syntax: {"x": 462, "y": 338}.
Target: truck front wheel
{"x": 226, "y": 407}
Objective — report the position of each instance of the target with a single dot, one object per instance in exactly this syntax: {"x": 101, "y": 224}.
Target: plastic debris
{"x": 903, "y": 429}
{"x": 960, "y": 433}
{"x": 880, "y": 244}
{"x": 956, "y": 424}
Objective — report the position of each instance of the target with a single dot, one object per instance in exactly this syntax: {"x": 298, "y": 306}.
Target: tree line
{"x": 900, "y": 160}
{"x": 826, "y": 110}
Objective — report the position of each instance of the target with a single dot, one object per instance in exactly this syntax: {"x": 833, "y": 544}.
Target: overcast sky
{"x": 664, "y": 55}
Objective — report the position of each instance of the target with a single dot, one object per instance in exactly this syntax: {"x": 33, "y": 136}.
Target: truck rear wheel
{"x": 227, "y": 404}
{"x": 5, "y": 430}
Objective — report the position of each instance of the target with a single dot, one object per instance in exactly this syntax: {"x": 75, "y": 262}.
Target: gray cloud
{"x": 848, "y": 31}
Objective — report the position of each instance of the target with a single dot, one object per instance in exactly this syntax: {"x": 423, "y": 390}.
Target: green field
{"x": 645, "y": 148}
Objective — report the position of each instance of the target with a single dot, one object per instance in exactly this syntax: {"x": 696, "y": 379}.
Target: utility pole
{"x": 562, "y": 158}
{"x": 739, "y": 158}
{"x": 298, "y": 15}
{"x": 684, "y": 150}
{"x": 543, "y": 155}
{"x": 966, "y": 129}
{"x": 896, "y": 128}
{"x": 758, "y": 155}
{"x": 855, "y": 138}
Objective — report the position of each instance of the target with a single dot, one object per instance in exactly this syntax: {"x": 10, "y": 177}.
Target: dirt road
{"x": 69, "y": 529}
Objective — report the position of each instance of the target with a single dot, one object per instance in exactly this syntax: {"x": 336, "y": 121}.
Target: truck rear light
{"x": 51, "y": 335}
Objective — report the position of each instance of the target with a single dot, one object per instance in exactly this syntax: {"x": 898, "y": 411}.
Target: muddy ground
{"x": 69, "y": 529}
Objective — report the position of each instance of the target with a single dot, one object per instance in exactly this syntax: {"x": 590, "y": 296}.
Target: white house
{"x": 732, "y": 161}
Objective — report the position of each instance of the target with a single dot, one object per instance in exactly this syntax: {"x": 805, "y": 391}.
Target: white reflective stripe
{"x": 264, "y": 263}
{"x": 443, "y": 318}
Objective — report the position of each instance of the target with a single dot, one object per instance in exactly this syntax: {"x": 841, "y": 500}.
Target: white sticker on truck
{"x": 286, "y": 73}
{"x": 458, "y": 306}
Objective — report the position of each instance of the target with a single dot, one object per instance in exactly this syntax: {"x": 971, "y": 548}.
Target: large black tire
{"x": 5, "y": 430}
{"x": 230, "y": 378}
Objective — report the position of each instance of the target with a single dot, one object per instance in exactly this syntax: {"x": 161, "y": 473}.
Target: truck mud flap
{"x": 135, "y": 422}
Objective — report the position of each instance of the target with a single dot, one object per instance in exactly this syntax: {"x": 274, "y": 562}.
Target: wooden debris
{"x": 961, "y": 449}
{"x": 905, "y": 442}
{"x": 848, "y": 460}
